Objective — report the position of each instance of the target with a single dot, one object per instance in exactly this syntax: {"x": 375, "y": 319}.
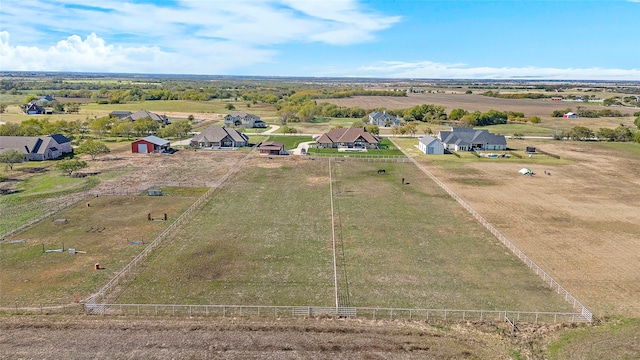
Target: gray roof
{"x": 468, "y": 137}
{"x": 380, "y": 118}
{"x": 32, "y": 144}
{"x": 215, "y": 133}
{"x": 155, "y": 140}
{"x": 141, "y": 114}
{"x": 427, "y": 139}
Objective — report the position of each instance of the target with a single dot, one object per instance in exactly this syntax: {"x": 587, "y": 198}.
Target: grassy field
{"x": 290, "y": 142}
{"x": 405, "y": 246}
{"x": 30, "y": 276}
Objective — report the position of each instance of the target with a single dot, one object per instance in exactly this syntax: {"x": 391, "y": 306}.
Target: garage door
{"x": 142, "y": 148}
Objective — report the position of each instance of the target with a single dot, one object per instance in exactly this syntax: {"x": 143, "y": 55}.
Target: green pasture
{"x": 265, "y": 239}
{"x": 185, "y": 106}
{"x": 290, "y": 142}
{"x": 103, "y": 229}
{"x": 387, "y": 148}
{"x": 516, "y": 128}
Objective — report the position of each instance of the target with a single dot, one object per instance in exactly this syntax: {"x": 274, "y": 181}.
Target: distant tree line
{"x": 589, "y": 113}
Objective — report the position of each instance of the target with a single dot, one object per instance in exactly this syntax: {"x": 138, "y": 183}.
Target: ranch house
{"x": 430, "y": 145}
{"x": 150, "y": 144}
{"x": 243, "y": 119}
{"x": 571, "y": 115}
{"x": 468, "y": 139}
{"x": 348, "y": 138}
{"x": 217, "y": 137}
{"x": 272, "y": 148}
{"x": 37, "y": 148}
{"x": 382, "y": 119}
{"x": 32, "y": 109}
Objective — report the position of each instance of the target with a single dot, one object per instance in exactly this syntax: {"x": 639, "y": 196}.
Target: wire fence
{"x": 251, "y": 311}
{"x": 553, "y": 284}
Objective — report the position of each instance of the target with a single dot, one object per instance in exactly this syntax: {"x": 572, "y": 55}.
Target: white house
{"x": 382, "y": 119}
{"x": 430, "y": 145}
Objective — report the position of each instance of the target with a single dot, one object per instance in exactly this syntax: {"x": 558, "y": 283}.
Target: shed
{"x": 150, "y": 144}
{"x": 272, "y": 148}
{"x": 430, "y": 145}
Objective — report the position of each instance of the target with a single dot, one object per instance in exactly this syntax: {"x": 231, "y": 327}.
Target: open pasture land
{"x": 469, "y": 102}
{"x": 266, "y": 239}
{"x": 103, "y": 229}
{"x": 581, "y": 223}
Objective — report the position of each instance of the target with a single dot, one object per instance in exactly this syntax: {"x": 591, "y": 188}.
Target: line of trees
{"x": 589, "y": 113}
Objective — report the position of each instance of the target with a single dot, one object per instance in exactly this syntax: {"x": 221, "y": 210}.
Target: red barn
{"x": 150, "y": 144}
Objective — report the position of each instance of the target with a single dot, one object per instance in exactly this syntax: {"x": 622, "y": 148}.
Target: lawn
{"x": 386, "y": 149}
{"x": 290, "y": 142}
{"x": 103, "y": 230}
{"x": 517, "y": 128}
{"x": 265, "y": 239}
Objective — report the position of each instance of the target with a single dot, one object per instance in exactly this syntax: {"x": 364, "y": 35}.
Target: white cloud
{"x": 433, "y": 70}
{"x": 190, "y": 36}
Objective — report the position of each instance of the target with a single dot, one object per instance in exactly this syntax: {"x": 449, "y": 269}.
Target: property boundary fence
{"x": 352, "y": 157}
{"x": 553, "y": 284}
{"x": 251, "y": 311}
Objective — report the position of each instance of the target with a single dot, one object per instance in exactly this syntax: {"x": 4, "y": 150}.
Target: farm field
{"x": 581, "y": 223}
{"x": 405, "y": 246}
{"x": 471, "y": 102}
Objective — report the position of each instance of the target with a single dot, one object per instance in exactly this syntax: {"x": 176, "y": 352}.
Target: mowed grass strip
{"x": 103, "y": 229}
{"x": 263, "y": 239}
{"x": 412, "y": 246}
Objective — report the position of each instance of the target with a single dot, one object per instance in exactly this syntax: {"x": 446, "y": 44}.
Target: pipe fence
{"x": 553, "y": 284}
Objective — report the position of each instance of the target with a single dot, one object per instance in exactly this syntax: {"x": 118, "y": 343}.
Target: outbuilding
{"x": 430, "y": 145}
{"x": 150, "y": 144}
{"x": 272, "y": 148}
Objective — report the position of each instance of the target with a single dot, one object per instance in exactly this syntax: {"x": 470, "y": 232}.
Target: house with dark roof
{"x": 46, "y": 99}
{"x": 272, "y": 148}
{"x": 349, "y": 138}
{"x": 468, "y": 139}
{"x": 243, "y": 119}
{"x": 151, "y": 144}
{"x": 383, "y": 119}
{"x": 430, "y": 145}
{"x": 32, "y": 108}
{"x": 37, "y": 148}
{"x": 217, "y": 137}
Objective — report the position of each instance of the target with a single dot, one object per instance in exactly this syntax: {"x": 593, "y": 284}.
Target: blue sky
{"x": 571, "y": 39}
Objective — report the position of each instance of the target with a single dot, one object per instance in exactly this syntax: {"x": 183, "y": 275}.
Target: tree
{"x": 92, "y": 148}
{"x": 373, "y": 129}
{"x": 535, "y": 120}
{"x": 72, "y": 107}
{"x": 3, "y": 108}
{"x": 457, "y": 114}
{"x": 229, "y": 106}
{"x": 69, "y": 166}
{"x": 11, "y": 156}
{"x": 145, "y": 126}
{"x": 411, "y": 128}
{"x": 124, "y": 128}
{"x": 101, "y": 125}
{"x": 622, "y": 134}
{"x": 636, "y": 136}
{"x": 606, "y": 134}
{"x": 580, "y": 133}
{"x": 357, "y": 124}
{"x": 636, "y": 122}
{"x": 30, "y": 98}
{"x": 190, "y": 118}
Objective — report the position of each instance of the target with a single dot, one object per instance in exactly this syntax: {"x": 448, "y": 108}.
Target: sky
{"x": 507, "y": 39}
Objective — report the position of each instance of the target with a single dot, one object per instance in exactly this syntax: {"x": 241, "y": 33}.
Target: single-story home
{"x": 430, "y": 145}
{"x": 243, "y": 119}
{"x": 150, "y": 144}
{"x": 37, "y": 148}
{"x": 118, "y": 114}
{"x": 216, "y": 137}
{"x": 383, "y": 119}
{"x": 351, "y": 138}
{"x": 570, "y": 115}
{"x": 468, "y": 139}
{"x": 272, "y": 148}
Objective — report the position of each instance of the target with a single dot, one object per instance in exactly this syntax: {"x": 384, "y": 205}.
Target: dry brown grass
{"x": 580, "y": 224}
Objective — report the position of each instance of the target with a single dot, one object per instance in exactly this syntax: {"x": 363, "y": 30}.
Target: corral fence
{"x": 553, "y": 284}
{"x": 249, "y": 311}
{"x": 120, "y": 277}
{"x": 352, "y": 157}
{"x": 115, "y": 281}
{"x": 44, "y": 309}
{"x": 53, "y": 207}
